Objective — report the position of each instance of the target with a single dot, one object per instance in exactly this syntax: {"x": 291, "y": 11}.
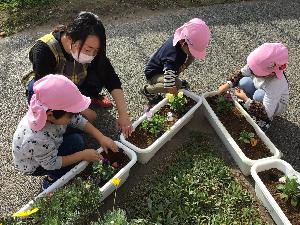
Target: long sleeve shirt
{"x": 276, "y": 96}
{"x": 44, "y": 63}
{"x": 167, "y": 60}
{"x": 31, "y": 149}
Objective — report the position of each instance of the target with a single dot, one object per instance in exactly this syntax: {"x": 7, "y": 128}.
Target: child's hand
{"x": 241, "y": 94}
{"x": 107, "y": 143}
{"x": 223, "y": 88}
{"x": 91, "y": 155}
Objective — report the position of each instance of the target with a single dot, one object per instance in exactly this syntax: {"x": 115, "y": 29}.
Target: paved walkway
{"x": 236, "y": 30}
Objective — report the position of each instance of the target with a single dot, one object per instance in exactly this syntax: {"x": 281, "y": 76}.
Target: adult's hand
{"x": 124, "y": 124}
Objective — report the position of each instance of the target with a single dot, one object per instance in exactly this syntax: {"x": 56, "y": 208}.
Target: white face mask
{"x": 82, "y": 58}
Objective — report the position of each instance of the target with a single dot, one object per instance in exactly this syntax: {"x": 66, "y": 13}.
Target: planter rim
{"x": 259, "y": 132}
{"x": 80, "y": 167}
{"x": 165, "y": 134}
{"x": 284, "y": 167}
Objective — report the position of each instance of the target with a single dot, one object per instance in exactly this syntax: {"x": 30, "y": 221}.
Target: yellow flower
{"x": 170, "y": 97}
{"x": 25, "y": 213}
{"x": 116, "y": 181}
{"x": 253, "y": 141}
{"x": 180, "y": 94}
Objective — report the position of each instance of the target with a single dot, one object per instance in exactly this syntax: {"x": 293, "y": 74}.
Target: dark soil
{"x": 270, "y": 178}
{"x": 116, "y": 159}
{"x": 142, "y": 139}
{"x": 235, "y": 123}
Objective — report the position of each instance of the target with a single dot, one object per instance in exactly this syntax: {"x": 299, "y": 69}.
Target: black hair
{"x": 57, "y": 113}
{"x": 85, "y": 24}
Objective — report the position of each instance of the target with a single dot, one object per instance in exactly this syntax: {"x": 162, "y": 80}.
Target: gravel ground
{"x": 236, "y": 30}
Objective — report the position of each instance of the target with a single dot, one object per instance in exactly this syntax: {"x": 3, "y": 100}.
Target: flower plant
{"x": 290, "y": 190}
{"x": 224, "y": 102}
{"x": 177, "y": 102}
{"x": 248, "y": 137}
{"x": 103, "y": 169}
{"x": 154, "y": 123}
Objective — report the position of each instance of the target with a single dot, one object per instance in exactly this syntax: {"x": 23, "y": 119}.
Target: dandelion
{"x": 115, "y": 181}
{"x": 170, "y": 97}
{"x": 180, "y": 94}
{"x": 253, "y": 141}
{"x": 25, "y": 213}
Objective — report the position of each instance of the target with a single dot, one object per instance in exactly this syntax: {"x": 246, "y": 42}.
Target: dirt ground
{"x": 61, "y": 12}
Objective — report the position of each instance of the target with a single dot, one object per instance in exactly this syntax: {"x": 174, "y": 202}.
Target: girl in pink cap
{"x": 263, "y": 85}
{"x": 41, "y": 145}
{"x": 173, "y": 57}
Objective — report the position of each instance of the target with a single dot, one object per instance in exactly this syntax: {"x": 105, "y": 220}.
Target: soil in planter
{"x": 270, "y": 178}
{"x": 116, "y": 159}
{"x": 142, "y": 139}
{"x": 235, "y": 123}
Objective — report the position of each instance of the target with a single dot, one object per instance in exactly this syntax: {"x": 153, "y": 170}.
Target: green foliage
{"x": 116, "y": 217}
{"x": 16, "y": 4}
{"x": 224, "y": 103}
{"x": 177, "y": 102}
{"x": 103, "y": 170}
{"x": 290, "y": 190}
{"x": 246, "y": 136}
{"x": 154, "y": 124}
{"x": 196, "y": 189}
{"x": 71, "y": 204}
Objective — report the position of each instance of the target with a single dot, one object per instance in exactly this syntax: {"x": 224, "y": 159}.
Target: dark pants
{"x": 91, "y": 86}
{"x": 71, "y": 143}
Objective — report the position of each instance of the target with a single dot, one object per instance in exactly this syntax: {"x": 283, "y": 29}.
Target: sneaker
{"x": 102, "y": 101}
{"x": 152, "y": 98}
{"x": 185, "y": 85}
{"x": 47, "y": 183}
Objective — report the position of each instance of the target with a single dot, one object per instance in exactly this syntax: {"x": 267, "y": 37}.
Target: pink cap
{"x": 267, "y": 59}
{"x": 54, "y": 92}
{"x": 196, "y": 34}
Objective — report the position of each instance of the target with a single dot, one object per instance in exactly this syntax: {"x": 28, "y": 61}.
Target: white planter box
{"x": 106, "y": 189}
{"x": 263, "y": 193}
{"x": 241, "y": 160}
{"x": 144, "y": 155}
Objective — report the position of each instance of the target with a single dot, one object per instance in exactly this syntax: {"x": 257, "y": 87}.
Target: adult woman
{"x": 78, "y": 51}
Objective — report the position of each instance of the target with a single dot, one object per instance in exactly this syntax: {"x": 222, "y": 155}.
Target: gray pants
{"x": 156, "y": 84}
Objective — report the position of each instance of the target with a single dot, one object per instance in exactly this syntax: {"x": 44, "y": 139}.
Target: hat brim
{"x": 197, "y": 54}
{"x": 82, "y": 105}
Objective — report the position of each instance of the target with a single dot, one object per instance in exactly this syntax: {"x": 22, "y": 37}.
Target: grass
{"x": 18, "y": 15}
{"x": 196, "y": 188}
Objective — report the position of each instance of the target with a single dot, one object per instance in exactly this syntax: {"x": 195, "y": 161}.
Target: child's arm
{"x": 105, "y": 142}
{"x": 86, "y": 154}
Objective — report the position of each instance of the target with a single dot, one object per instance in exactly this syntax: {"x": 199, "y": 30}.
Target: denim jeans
{"x": 71, "y": 143}
{"x": 246, "y": 84}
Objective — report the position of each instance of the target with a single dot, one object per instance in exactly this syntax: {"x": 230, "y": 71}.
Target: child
{"x": 173, "y": 57}
{"x": 41, "y": 145}
{"x": 263, "y": 85}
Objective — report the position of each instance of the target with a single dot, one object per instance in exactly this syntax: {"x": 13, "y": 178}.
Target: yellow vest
{"x": 75, "y": 71}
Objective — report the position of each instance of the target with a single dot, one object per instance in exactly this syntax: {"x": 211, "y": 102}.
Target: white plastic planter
{"x": 144, "y": 155}
{"x": 240, "y": 158}
{"x": 106, "y": 189}
{"x": 263, "y": 193}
